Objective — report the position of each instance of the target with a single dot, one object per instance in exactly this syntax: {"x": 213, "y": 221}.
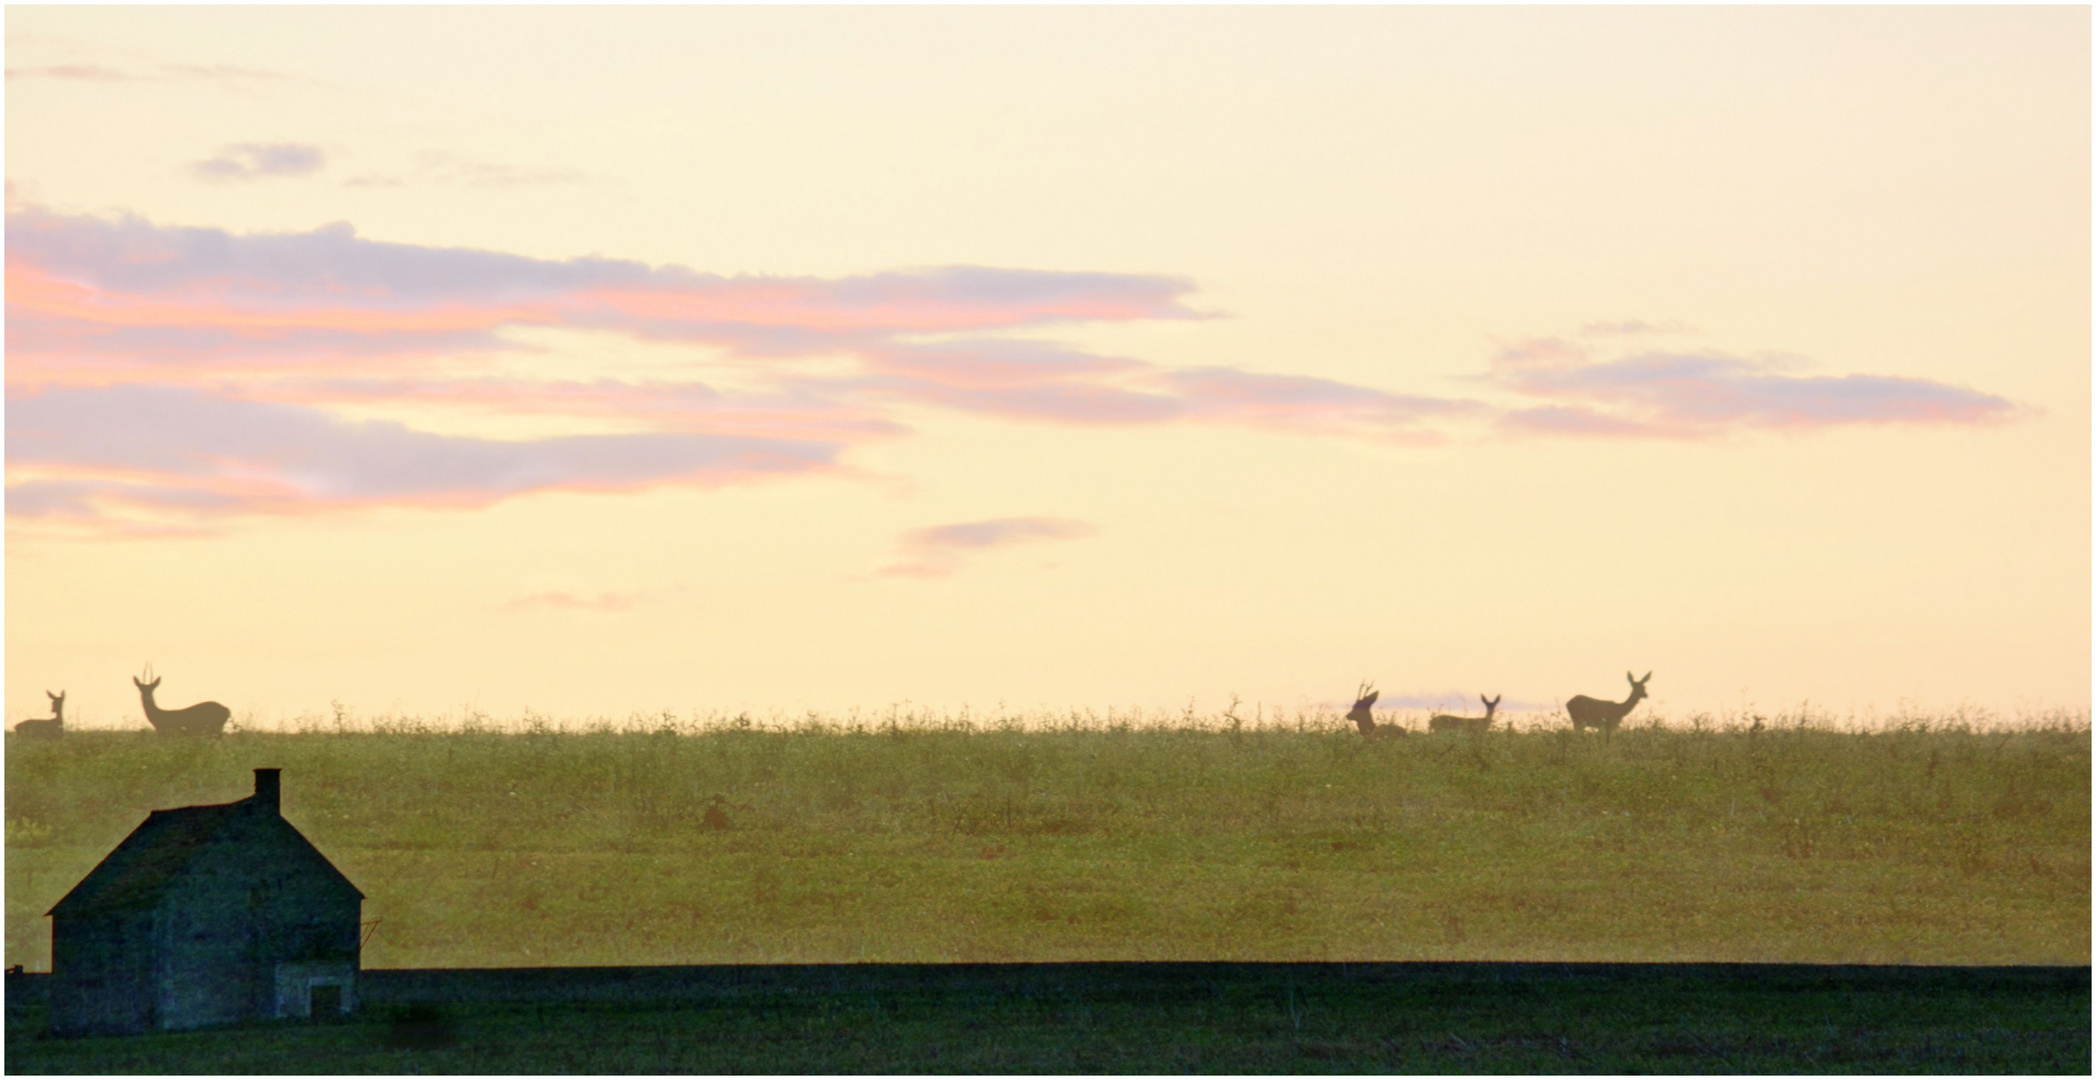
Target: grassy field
{"x": 1138, "y": 1019}
{"x": 1928, "y": 844}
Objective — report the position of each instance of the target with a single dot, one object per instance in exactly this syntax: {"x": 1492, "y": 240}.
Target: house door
{"x": 327, "y": 1003}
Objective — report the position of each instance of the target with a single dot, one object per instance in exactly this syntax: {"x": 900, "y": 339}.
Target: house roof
{"x": 157, "y": 853}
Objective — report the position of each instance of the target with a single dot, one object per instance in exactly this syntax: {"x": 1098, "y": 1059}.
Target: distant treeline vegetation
{"x": 906, "y": 837}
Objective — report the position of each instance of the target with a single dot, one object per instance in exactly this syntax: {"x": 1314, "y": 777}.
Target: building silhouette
{"x": 206, "y": 915}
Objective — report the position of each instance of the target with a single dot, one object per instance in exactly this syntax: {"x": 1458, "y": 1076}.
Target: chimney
{"x": 268, "y": 790}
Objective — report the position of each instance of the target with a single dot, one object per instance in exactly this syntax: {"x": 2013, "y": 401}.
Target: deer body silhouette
{"x": 46, "y": 729}
{"x": 1478, "y": 724}
{"x": 1587, "y": 712}
{"x": 1363, "y": 699}
{"x": 202, "y": 718}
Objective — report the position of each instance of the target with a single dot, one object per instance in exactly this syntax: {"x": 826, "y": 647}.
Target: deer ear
{"x": 1647, "y": 678}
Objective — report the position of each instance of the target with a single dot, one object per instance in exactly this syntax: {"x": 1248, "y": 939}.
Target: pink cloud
{"x": 437, "y": 168}
{"x": 252, "y": 161}
{"x": 135, "y": 449}
{"x": 72, "y": 73}
{"x": 1630, "y": 328}
{"x": 792, "y": 412}
{"x": 1305, "y": 404}
{"x": 997, "y": 363}
{"x": 566, "y": 601}
{"x": 227, "y": 75}
{"x": 74, "y": 281}
{"x": 936, "y": 552}
{"x": 1689, "y": 395}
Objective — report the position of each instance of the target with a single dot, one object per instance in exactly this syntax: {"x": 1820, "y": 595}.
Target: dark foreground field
{"x": 1144, "y": 1018}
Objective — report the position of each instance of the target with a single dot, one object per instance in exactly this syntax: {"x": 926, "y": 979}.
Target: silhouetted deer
{"x": 1587, "y": 712}
{"x": 202, "y": 718}
{"x": 1480, "y": 724}
{"x": 1365, "y": 697}
{"x": 46, "y": 729}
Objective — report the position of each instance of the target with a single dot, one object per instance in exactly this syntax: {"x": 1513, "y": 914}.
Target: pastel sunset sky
{"x": 586, "y": 361}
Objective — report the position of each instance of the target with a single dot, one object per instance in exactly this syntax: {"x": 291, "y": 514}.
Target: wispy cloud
{"x": 1630, "y": 328}
{"x": 936, "y": 552}
{"x": 72, "y": 73}
{"x": 438, "y": 169}
{"x": 233, "y": 74}
{"x": 1703, "y": 394}
{"x": 568, "y": 601}
{"x": 228, "y": 75}
{"x": 253, "y": 161}
{"x": 1319, "y": 406}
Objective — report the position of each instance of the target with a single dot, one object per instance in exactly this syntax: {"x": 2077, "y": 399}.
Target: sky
{"x": 546, "y": 362}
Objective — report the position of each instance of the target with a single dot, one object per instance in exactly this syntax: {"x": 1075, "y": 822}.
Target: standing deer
{"x": 1363, "y": 698}
{"x": 1587, "y": 712}
{"x": 46, "y": 729}
{"x": 203, "y": 718}
{"x": 1478, "y": 724}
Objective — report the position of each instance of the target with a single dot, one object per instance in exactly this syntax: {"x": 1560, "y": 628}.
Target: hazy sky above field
{"x": 591, "y": 361}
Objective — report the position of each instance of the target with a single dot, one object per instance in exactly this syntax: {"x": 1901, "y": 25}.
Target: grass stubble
{"x": 819, "y": 842}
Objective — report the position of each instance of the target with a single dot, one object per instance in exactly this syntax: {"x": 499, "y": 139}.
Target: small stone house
{"x": 206, "y": 915}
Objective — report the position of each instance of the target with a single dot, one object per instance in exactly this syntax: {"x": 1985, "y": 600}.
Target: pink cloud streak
{"x": 1696, "y": 395}
{"x": 567, "y": 601}
{"x": 936, "y": 552}
{"x": 129, "y": 273}
{"x": 79, "y": 454}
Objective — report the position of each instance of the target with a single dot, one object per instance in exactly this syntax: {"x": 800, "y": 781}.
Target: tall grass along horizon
{"x": 918, "y": 837}
{"x": 1238, "y": 715}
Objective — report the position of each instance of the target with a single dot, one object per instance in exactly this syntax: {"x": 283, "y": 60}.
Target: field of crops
{"x": 828, "y": 841}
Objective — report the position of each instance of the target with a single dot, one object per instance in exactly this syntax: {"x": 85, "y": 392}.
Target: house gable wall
{"x": 259, "y": 896}
{"x": 204, "y": 947}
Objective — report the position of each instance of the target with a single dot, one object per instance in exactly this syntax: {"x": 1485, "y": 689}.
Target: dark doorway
{"x": 327, "y": 1003}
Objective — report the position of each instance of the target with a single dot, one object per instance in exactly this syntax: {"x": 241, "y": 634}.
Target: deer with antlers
{"x": 1587, "y": 712}
{"x": 1476, "y": 724}
{"x": 46, "y": 729}
{"x": 1363, "y": 699}
{"x": 202, "y": 718}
